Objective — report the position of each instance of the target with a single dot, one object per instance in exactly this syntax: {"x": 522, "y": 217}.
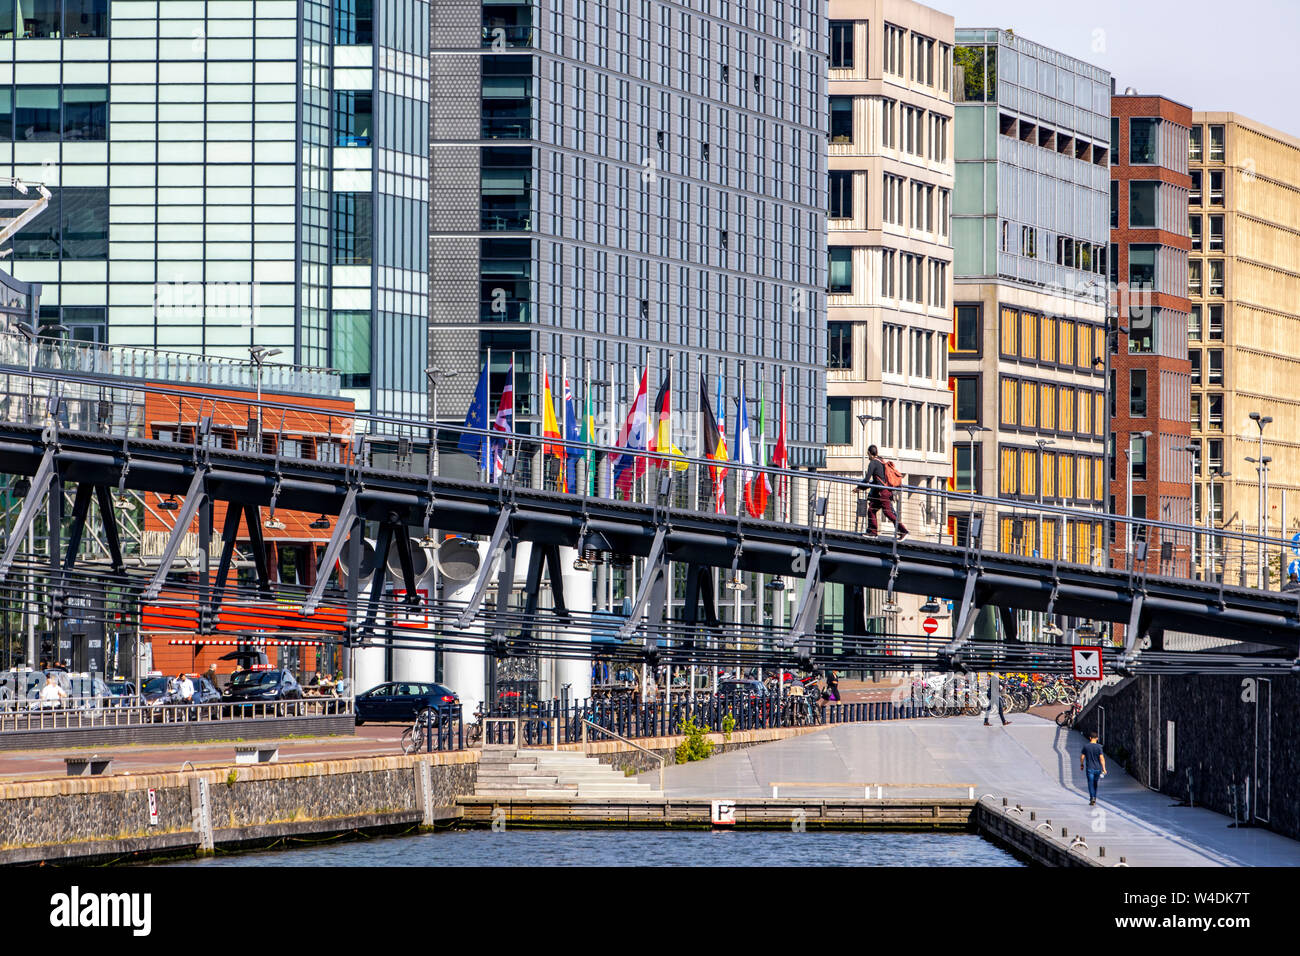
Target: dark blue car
{"x": 402, "y": 700}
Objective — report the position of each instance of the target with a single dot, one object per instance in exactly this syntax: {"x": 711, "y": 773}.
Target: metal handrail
{"x": 35, "y": 717}
{"x": 633, "y": 744}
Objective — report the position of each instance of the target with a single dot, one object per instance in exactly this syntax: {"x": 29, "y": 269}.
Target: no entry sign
{"x": 1087, "y": 663}
{"x": 929, "y": 625}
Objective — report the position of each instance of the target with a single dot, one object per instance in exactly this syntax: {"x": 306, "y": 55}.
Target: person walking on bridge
{"x": 995, "y": 700}
{"x": 882, "y": 495}
{"x": 1092, "y": 761}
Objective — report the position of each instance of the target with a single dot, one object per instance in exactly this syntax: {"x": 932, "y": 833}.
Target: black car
{"x": 402, "y": 700}
{"x": 742, "y": 689}
{"x": 261, "y": 685}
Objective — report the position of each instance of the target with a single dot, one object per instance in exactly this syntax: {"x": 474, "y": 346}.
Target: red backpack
{"x": 893, "y": 477}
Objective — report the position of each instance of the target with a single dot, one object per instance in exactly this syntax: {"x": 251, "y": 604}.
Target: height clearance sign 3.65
{"x": 1087, "y": 663}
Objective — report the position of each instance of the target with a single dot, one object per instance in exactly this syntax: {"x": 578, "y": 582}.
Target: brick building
{"x": 1150, "y": 387}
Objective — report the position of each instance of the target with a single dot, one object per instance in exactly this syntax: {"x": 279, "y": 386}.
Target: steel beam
{"x": 111, "y": 537}
{"x": 342, "y": 528}
{"x": 193, "y": 497}
{"x": 35, "y": 500}
{"x": 966, "y": 617}
{"x": 654, "y": 568}
{"x": 499, "y": 537}
{"x": 810, "y": 601}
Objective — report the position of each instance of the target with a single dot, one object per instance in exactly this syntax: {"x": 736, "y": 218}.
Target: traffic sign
{"x": 1293, "y": 568}
{"x": 1087, "y": 663}
{"x": 1295, "y": 543}
{"x": 929, "y": 625}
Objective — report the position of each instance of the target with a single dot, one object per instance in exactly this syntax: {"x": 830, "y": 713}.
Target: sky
{"x": 1207, "y": 54}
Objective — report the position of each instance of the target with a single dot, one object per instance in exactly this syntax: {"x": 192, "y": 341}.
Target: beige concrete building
{"x": 890, "y": 238}
{"x": 889, "y": 313}
{"x": 1244, "y": 329}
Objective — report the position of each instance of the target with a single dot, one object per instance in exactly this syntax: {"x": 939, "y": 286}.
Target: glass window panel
{"x": 350, "y": 348}
{"x": 1142, "y": 204}
{"x": 36, "y": 117}
{"x": 841, "y": 119}
{"x": 85, "y": 113}
{"x": 841, "y": 269}
{"x": 1142, "y": 266}
{"x": 6, "y": 19}
{"x": 841, "y": 44}
{"x": 353, "y": 22}
{"x": 85, "y": 222}
{"x": 968, "y": 329}
{"x": 6, "y": 114}
{"x": 841, "y": 194}
{"x": 1142, "y": 140}
{"x": 352, "y": 117}
{"x": 38, "y": 18}
{"x": 39, "y": 239}
{"x": 967, "y": 399}
{"x": 838, "y": 421}
{"x": 351, "y": 228}
{"x": 85, "y": 18}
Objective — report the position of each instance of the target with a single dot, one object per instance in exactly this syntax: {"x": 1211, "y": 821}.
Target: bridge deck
{"x": 1032, "y": 762}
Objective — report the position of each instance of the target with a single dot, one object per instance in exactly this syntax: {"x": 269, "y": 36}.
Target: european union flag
{"x": 476, "y": 446}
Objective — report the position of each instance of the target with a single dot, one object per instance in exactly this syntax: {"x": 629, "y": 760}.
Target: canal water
{"x": 636, "y": 848}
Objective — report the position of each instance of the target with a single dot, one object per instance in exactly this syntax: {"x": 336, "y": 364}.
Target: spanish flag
{"x": 550, "y": 427}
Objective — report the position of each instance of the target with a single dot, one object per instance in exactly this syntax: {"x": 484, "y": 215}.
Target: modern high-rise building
{"x": 1150, "y": 387}
{"x": 891, "y": 175}
{"x": 226, "y": 175}
{"x": 1030, "y": 233}
{"x": 628, "y": 184}
{"x": 1244, "y": 330}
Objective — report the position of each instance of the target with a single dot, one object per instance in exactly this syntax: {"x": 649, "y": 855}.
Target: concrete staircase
{"x": 553, "y": 773}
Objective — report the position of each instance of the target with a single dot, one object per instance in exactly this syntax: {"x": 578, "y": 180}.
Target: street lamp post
{"x": 1193, "y": 450}
{"x": 436, "y": 377}
{"x": 1212, "y": 546}
{"x": 972, "y": 431}
{"x": 1128, "y": 497}
{"x": 1261, "y": 469}
{"x": 259, "y": 354}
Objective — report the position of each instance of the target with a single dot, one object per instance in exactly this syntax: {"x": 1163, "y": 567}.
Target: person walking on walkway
{"x": 1092, "y": 761}
{"x": 882, "y": 496}
{"x": 995, "y": 700}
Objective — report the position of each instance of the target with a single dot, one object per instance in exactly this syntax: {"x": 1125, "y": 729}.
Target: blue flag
{"x": 572, "y": 432}
{"x": 476, "y": 446}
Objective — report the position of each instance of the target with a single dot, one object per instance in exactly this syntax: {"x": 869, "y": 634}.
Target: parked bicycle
{"x": 415, "y": 736}
{"x": 1067, "y": 717}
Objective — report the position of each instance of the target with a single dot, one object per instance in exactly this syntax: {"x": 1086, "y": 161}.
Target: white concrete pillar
{"x": 577, "y": 597}
{"x": 464, "y": 673}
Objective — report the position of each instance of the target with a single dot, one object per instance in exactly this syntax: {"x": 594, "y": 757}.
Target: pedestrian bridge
{"x": 1011, "y": 554}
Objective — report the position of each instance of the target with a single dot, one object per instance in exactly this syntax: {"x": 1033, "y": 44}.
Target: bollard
{"x": 1101, "y": 851}
{"x": 1032, "y": 816}
{"x": 1064, "y": 833}
{"x": 1004, "y": 801}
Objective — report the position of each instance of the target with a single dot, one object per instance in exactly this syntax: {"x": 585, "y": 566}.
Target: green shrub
{"x": 728, "y": 725}
{"x": 696, "y": 746}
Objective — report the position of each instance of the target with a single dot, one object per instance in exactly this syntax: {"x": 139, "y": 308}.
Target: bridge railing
{"x": 1063, "y": 518}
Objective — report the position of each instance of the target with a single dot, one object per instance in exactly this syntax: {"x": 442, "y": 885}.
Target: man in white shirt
{"x": 52, "y": 695}
{"x": 186, "y": 689}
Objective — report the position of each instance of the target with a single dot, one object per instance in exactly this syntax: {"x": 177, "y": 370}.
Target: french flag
{"x": 632, "y": 436}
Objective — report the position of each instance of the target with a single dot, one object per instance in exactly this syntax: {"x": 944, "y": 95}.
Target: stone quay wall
{"x": 1221, "y": 742}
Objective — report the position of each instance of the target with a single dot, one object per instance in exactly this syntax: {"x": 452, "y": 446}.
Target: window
{"x": 967, "y": 478}
{"x": 36, "y": 114}
{"x": 1195, "y": 415}
{"x": 888, "y": 136}
{"x": 350, "y": 348}
{"x": 1065, "y": 342}
{"x": 1142, "y": 204}
{"x": 841, "y": 119}
{"x": 1141, "y": 267}
{"x": 1194, "y": 230}
{"x": 1194, "y": 144}
{"x": 892, "y": 200}
{"x": 352, "y": 112}
{"x": 36, "y": 18}
{"x": 1028, "y": 335}
{"x": 1194, "y": 194}
{"x": 1114, "y": 140}
{"x": 1009, "y": 330}
{"x": 1194, "y": 357}
{"x": 350, "y": 228}
{"x": 1029, "y": 404}
{"x": 83, "y": 219}
{"x": 1216, "y": 144}
{"x": 966, "y": 398}
{"x": 353, "y": 22}
{"x": 1216, "y": 367}
{"x": 1216, "y": 187}
{"x": 841, "y": 194}
{"x": 840, "y": 349}
{"x": 1193, "y": 276}
{"x": 1114, "y": 203}
{"x": 1216, "y": 277}
{"x": 1215, "y": 446}
{"x": 966, "y": 331}
{"x": 888, "y": 273}
{"x": 1142, "y": 140}
{"x": 891, "y": 352}
{"x": 1194, "y": 322}
{"x": 1010, "y": 394}
{"x": 1007, "y": 471}
{"x": 1216, "y": 323}
{"x": 841, "y": 44}
{"x": 839, "y": 421}
{"x": 85, "y": 18}
{"x": 1065, "y": 408}
{"x": 1216, "y": 233}
{"x": 1137, "y": 393}
{"x": 895, "y": 38}
{"x": 841, "y": 269}
{"x": 1215, "y": 405}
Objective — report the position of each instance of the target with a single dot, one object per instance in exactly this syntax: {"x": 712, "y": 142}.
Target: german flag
{"x": 714, "y": 446}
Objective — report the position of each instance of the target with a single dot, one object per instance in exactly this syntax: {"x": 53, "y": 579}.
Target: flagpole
{"x": 486, "y": 446}
{"x": 699, "y": 434}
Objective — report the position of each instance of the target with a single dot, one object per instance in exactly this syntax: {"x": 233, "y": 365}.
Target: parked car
{"x": 261, "y": 685}
{"x": 402, "y": 700}
{"x": 742, "y": 688}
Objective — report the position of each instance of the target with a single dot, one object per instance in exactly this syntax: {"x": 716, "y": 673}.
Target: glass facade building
{"x": 629, "y": 184}
{"x": 1026, "y": 357}
{"x": 229, "y": 174}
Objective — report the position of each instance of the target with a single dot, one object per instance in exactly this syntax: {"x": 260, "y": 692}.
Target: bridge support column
{"x": 465, "y": 673}
{"x": 577, "y": 595}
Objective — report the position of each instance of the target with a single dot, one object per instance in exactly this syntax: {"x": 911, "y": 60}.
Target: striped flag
{"x": 714, "y": 447}
{"x": 632, "y": 436}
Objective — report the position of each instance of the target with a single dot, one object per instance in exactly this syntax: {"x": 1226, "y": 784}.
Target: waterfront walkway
{"x": 1032, "y": 763}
